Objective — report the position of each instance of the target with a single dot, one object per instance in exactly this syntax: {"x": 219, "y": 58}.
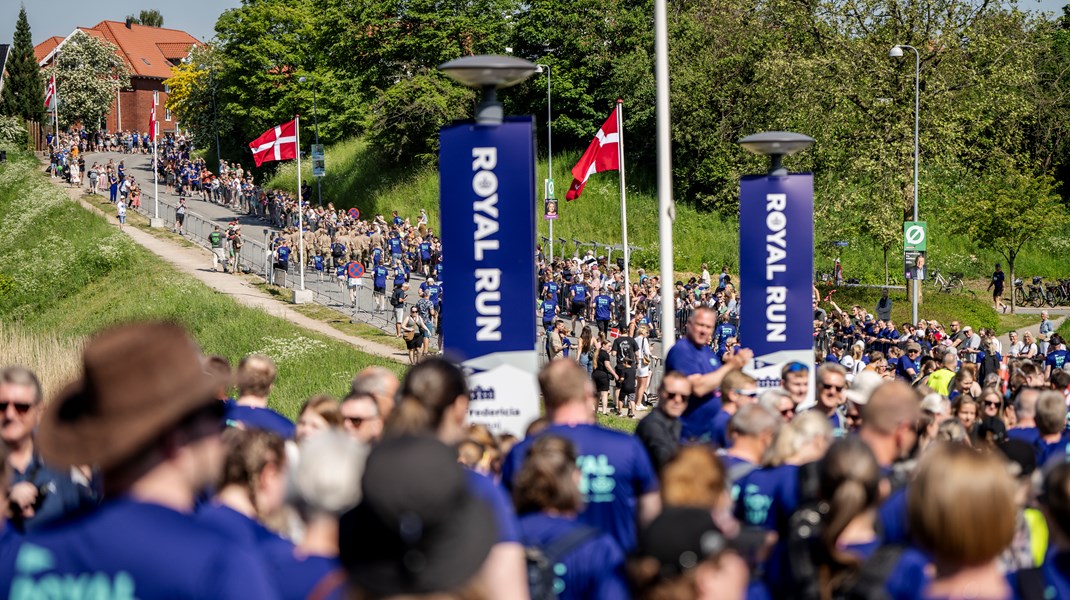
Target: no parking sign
{"x": 354, "y": 213}
{"x": 355, "y": 270}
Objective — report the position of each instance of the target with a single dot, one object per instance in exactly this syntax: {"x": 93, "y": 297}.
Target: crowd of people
{"x": 160, "y": 465}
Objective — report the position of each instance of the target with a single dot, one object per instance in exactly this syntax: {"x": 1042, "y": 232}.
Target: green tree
{"x": 404, "y": 122}
{"x": 23, "y": 90}
{"x": 89, "y": 74}
{"x": 149, "y": 17}
{"x": 1010, "y": 209}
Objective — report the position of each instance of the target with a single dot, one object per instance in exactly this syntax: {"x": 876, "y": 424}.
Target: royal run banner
{"x": 487, "y": 196}
{"x": 776, "y": 266}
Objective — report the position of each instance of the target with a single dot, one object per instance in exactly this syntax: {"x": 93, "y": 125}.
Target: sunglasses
{"x": 838, "y": 388}
{"x": 991, "y": 403}
{"x": 787, "y": 412}
{"x": 747, "y": 393}
{"x": 20, "y": 407}
{"x": 675, "y": 396}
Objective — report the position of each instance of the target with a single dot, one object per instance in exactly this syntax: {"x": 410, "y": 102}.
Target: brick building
{"x": 149, "y": 53}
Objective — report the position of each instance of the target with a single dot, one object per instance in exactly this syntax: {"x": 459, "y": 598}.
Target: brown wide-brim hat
{"x": 138, "y": 381}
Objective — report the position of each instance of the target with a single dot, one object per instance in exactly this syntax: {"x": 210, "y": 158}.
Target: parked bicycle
{"x": 952, "y": 283}
{"x": 1036, "y": 294}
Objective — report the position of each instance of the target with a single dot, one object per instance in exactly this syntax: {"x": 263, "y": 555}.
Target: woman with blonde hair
{"x": 961, "y": 508}
{"x": 319, "y": 413}
{"x": 644, "y": 357}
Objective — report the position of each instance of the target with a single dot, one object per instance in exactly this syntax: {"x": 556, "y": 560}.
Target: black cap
{"x": 1022, "y": 454}
{"x": 681, "y": 537}
{"x": 992, "y": 428}
{"x": 418, "y": 528}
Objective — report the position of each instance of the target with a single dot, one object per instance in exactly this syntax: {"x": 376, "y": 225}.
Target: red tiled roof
{"x": 146, "y": 50}
{"x": 40, "y": 51}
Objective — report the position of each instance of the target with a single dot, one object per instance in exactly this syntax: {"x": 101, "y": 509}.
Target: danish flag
{"x": 50, "y": 93}
{"x": 277, "y": 143}
{"x": 600, "y": 156}
{"x": 153, "y": 125}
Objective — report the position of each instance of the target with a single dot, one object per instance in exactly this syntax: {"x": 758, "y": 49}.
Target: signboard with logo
{"x": 487, "y": 184}
{"x": 776, "y": 265}
{"x": 319, "y": 164}
{"x": 915, "y": 241}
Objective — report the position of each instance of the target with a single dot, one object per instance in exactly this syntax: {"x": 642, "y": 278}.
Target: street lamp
{"x": 776, "y": 145}
{"x": 897, "y": 52}
{"x": 488, "y": 73}
{"x": 316, "y": 123}
{"x": 549, "y": 149}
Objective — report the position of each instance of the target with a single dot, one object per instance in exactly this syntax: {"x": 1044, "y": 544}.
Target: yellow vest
{"x": 940, "y": 380}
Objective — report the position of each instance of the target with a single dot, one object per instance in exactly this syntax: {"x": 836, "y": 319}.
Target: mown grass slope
{"x": 66, "y": 273}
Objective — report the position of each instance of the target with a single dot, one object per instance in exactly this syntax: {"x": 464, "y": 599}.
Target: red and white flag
{"x": 600, "y": 156}
{"x": 277, "y": 143}
{"x": 50, "y": 93}
{"x": 153, "y": 125}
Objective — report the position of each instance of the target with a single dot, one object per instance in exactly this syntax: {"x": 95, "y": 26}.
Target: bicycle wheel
{"x": 1037, "y": 298}
{"x": 1019, "y": 297}
{"x": 955, "y": 285}
{"x": 1050, "y": 298}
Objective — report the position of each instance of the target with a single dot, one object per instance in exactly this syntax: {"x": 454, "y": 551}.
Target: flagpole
{"x": 55, "y": 95}
{"x": 300, "y": 209}
{"x": 624, "y": 218}
{"x": 155, "y": 175}
{"x": 666, "y": 210}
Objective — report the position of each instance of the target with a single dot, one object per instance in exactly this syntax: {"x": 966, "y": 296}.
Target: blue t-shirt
{"x": 719, "y": 430}
{"x": 377, "y": 256}
{"x": 549, "y": 310}
{"x": 908, "y": 577}
{"x": 241, "y": 529}
{"x": 1056, "y": 359}
{"x": 768, "y": 497}
{"x": 893, "y": 518}
{"x": 905, "y": 363}
{"x": 1029, "y": 435}
{"x": 722, "y": 333}
{"x": 433, "y": 290}
{"x": 296, "y": 576}
{"x": 500, "y": 506}
{"x": 592, "y": 569}
{"x": 1047, "y": 451}
{"x": 602, "y": 307}
{"x": 689, "y": 359}
{"x": 615, "y": 471}
{"x": 399, "y": 276}
{"x": 579, "y": 292}
{"x": 61, "y": 495}
{"x": 1056, "y": 571}
{"x": 425, "y": 251}
{"x": 551, "y": 287}
{"x": 395, "y": 245}
{"x": 380, "y": 274}
{"x": 259, "y": 418}
{"x": 131, "y": 549}
{"x": 284, "y": 256}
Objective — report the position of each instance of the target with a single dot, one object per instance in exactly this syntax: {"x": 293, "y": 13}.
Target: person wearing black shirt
{"x": 660, "y": 430}
{"x": 603, "y": 373}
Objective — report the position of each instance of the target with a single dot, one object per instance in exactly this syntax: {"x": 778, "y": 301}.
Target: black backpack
{"x": 338, "y": 249}
{"x": 542, "y": 560}
{"x": 990, "y": 364}
{"x": 397, "y": 299}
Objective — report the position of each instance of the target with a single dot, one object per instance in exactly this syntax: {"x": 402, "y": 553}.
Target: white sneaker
{"x": 641, "y": 407}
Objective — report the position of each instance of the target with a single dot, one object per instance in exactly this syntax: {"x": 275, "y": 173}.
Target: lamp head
{"x": 776, "y": 145}
{"x": 896, "y": 51}
{"x": 302, "y": 79}
{"x": 488, "y": 73}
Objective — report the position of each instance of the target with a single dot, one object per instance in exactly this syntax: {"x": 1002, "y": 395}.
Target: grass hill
{"x": 66, "y": 273}
{"x": 356, "y": 177}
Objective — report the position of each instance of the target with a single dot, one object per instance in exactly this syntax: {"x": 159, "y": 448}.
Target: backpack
{"x": 338, "y": 249}
{"x": 397, "y": 299}
{"x": 541, "y": 562}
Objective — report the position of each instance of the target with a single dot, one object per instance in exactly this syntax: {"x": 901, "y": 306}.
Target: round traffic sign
{"x": 354, "y": 213}
{"x": 915, "y": 235}
{"x": 355, "y": 270}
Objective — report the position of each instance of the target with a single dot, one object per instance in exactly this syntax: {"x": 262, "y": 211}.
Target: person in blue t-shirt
{"x": 737, "y": 390}
{"x": 396, "y": 248}
{"x": 551, "y": 287}
{"x": 724, "y": 330}
{"x": 577, "y": 294}
{"x": 1053, "y": 442}
{"x": 618, "y": 481}
{"x": 1056, "y": 358}
{"x": 549, "y": 310}
{"x": 379, "y": 274}
{"x": 256, "y": 376}
{"x": 38, "y": 493}
{"x": 435, "y": 397}
{"x": 586, "y": 562}
{"x": 377, "y": 256}
{"x": 425, "y": 256}
{"x": 331, "y": 464}
{"x": 152, "y": 428}
{"x": 1025, "y": 408}
{"x": 692, "y": 356}
{"x": 603, "y": 310}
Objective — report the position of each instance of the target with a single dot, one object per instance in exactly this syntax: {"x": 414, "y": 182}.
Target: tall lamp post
{"x": 488, "y": 73}
{"x": 549, "y": 149}
{"x": 316, "y": 124}
{"x": 897, "y": 52}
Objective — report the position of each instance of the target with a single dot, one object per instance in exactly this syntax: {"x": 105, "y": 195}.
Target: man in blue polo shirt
{"x": 603, "y": 310}
{"x": 144, "y": 412}
{"x": 693, "y": 357}
{"x": 256, "y": 377}
{"x": 617, "y": 478}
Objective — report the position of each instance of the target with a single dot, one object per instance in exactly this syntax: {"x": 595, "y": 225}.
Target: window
{"x": 166, "y": 89}
{"x": 166, "y": 114}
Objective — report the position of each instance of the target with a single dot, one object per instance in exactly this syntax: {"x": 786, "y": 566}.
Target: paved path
{"x": 325, "y": 287}
{"x": 196, "y": 261}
